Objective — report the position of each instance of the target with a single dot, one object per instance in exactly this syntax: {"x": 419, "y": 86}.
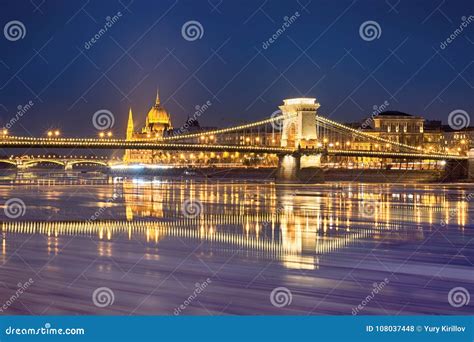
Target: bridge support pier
{"x": 299, "y": 168}
{"x": 470, "y": 165}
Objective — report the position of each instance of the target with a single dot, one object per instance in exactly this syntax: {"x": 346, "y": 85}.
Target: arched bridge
{"x": 67, "y": 162}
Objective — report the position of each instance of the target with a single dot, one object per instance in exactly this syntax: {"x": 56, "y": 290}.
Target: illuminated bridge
{"x": 296, "y": 134}
{"x": 68, "y": 162}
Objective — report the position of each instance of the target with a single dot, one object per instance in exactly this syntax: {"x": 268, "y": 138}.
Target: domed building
{"x": 158, "y": 121}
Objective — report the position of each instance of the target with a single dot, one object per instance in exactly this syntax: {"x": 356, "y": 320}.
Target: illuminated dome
{"x": 158, "y": 117}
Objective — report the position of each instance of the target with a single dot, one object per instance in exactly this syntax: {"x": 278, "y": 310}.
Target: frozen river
{"x": 94, "y": 244}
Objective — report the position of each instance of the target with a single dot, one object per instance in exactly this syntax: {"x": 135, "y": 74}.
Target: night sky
{"x": 321, "y": 54}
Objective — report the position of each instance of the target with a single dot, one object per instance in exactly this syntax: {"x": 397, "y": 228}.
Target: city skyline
{"x": 304, "y": 161}
{"x": 64, "y": 73}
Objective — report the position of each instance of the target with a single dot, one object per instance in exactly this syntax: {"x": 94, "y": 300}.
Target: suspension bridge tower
{"x": 299, "y": 131}
{"x": 299, "y": 123}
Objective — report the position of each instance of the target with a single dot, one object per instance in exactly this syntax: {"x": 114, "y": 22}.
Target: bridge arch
{"x": 8, "y": 161}
{"x": 39, "y": 161}
{"x": 96, "y": 162}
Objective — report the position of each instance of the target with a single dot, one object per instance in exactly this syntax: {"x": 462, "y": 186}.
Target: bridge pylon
{"x": 299, "y": 123}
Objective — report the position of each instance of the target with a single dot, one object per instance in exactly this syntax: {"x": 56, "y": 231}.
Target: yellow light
{"x": 56, "y": 133}
{"x": 101, "y": 134}
{"x": 109, "y": 134}
{"x": 348, "y": 143}
{"x": 247, "y": 139}
{"x": 325, "y": 140}
{"x": 5, "y": 132}
{"x": 50, "y": 134}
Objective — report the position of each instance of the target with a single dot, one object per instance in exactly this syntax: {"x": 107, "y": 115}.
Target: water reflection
{"x": 293, "y": 224}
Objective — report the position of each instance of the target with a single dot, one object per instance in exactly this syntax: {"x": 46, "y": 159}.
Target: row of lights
{"x": 55, "y": 133}
{"x": 108, "y": 134}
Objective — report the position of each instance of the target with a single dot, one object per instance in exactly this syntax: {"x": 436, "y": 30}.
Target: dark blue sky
{"x": 321, "y": 54}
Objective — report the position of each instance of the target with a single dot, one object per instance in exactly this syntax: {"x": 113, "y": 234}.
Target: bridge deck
{"x": 62, "y": 143}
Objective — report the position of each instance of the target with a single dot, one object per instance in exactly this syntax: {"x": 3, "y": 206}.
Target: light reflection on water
{"x": 301, "y": 228}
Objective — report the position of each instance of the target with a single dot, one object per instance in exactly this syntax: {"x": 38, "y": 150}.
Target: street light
{"x": 56, "y": 133}
{"x": 101, "y": 134}
{"x": 50, "y": 133}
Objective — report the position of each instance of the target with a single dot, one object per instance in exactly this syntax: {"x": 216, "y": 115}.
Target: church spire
{"x": 130, "y": 126}
{"x": 157, "y": 102}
